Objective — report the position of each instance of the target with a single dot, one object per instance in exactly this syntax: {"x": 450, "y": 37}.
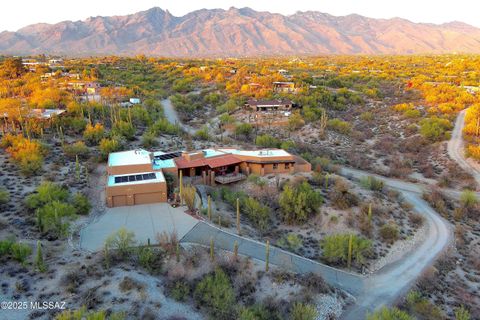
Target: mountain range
{"x": 239, "y": 32}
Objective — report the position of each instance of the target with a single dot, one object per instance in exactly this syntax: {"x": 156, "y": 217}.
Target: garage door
{"x": 119, "y": 201}
{"x": 146, "y": 198}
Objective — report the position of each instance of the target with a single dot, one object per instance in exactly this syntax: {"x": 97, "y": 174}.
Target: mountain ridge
{"x": 239, "y": 32}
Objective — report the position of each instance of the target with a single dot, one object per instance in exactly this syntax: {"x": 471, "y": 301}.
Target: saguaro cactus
{"x": 209, "y": 208}
{"x": 350, "y": 245}
{"x": 238, "y": 215}
{"x": 235, "y": 250}
{"x": 212, "y": 253}
{"x": 39, "y": 262}
{"x": 267, "y": 255}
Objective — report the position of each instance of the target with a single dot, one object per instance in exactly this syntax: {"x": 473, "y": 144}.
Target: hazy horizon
{"x": 54, "y": 11}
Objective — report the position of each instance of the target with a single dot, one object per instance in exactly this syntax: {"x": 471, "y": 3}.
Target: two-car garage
{"x": 134, "y": 189}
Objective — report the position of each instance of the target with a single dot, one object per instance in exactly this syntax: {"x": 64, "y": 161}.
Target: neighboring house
{"x": 472, "y": 89}
{"x": 139, "y": 176}
{"x": 135, "y": 101}
{"x": 283, "y": 87}
{"x": 9, "y": 124}
{"x": 269, "y": 105}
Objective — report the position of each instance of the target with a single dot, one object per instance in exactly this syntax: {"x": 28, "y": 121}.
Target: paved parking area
{"x": 146, "y": 221}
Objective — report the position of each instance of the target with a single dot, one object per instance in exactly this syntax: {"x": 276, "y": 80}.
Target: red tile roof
{"x": 213, "y": 162}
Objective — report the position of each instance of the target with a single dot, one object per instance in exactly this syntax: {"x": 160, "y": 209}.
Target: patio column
{"x": 212, "y": 178}
{"x": 237, "y": 169}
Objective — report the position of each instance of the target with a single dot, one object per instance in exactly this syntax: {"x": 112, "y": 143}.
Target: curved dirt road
{"x": 381, "y": 288}
{"x": 172, "y": 116}
{"x": 456, "y": 149}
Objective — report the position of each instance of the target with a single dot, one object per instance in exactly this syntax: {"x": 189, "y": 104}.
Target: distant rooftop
{"x": 130, "y": 157}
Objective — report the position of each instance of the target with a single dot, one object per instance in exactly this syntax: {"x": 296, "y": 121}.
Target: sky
{"x": 15, "y": 14}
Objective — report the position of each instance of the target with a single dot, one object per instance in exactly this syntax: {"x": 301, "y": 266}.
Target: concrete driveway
{"x": 146, "y": 221}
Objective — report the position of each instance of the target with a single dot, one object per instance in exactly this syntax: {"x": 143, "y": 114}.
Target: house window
{"x": 275, "y": 166}
{"x": 287, "y": 166}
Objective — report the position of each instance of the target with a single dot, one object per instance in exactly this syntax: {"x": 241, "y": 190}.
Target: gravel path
{"x": 456, "y": 149}
{"x": 172, "y": 116}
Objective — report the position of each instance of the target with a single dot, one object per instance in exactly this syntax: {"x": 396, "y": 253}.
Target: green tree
{"x": 244, "y": 130}
{"x": 267, "y": 141}
{"x": 299, "y": 202}
{"x": 434, "y": 128}
{"x": 81, "y": 204}
{"x": 215, "y": 292}
{"x": 45, "y": 193}
{"x": 336, "y": 247}
{"x": 108, "y": 146}
{"x": 258, "y": 213}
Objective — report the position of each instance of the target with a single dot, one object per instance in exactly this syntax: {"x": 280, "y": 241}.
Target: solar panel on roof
{"x": 136, "y": 177}
{"x": 168, "y": 156}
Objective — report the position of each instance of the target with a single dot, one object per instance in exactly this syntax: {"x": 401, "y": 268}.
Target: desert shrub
{"x": 180, "y": 291}
{"x": 339, "y": 126}
{"x": 473, "y": 151}
{"x": 83, "y": 314}
{"x": 244, "y": 130}
{"x": 301, "y": 311}
{"x": 20, "y": 252}
{"x": 45, "y": 193}
{"x": 468, "y": 199}
{"x": 122, "y": 241}
{"x": 76, "y": 149}
{"x": 290, "y": 241}
{"x": 422, "y": 307}
{"x": 403, "y": 107}
{"x": 4, "y": 196}
{"x": 202, "y": 133}
{"x": 462, "y": 314}
{"x": 215, "y": 292}
{"x": 341, "y": 197}
{"x": 367, "y": 116}
{"x": 27, "y": 154}
{"x": 298, "y": 203}
{"x": 124, "y": 129}
{"x": 189, "y": 196}
{"x": 412, "y": 113}
{"x": 416, "y": 219}
{"x": 108, "y": 146}
{"x": 295, "y": 121}
{"x": 94, "y": 134}
{"x": 229, "y": 106}
{"x": 149, "y": 140}
{"x": 55, "y": 216}
{"x": 335, "y": 248}
{"x": 259, "y": 312}
{"x": 146, "y": 257}
{"x": 81, "y": 203}
{"x": 389, "y": 232}
{"x": 164, "y": 126}
{"x": 258, "y": 213}
{"x": 267, "y": 141}
{"x": 385, "y": 313}
{"x": 5, "y": 247}
{"x": 371, "y": 183}
{"x": 434, "y": 128}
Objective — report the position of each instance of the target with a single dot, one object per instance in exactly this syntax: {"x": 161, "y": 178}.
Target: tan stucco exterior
{"x": 133, "y": 194}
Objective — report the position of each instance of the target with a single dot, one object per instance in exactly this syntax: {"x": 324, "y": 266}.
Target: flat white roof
{"x": 158, "y": 178}
{"x": 264, "y": 153}
{"x": 131, "y": 157}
